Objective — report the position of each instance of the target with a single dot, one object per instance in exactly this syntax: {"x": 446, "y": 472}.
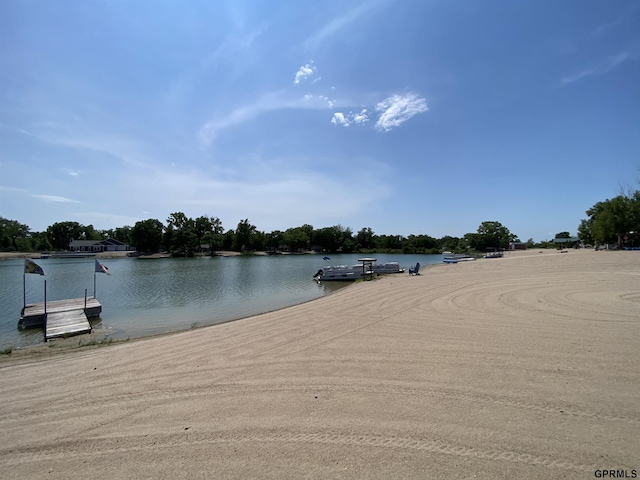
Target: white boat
{"x": 354, "y": 272}
{"x": 458, "y": 257}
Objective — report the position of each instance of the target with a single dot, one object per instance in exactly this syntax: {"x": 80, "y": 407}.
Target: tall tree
{"x": 490, "y": 234}
{"x": 365, "y": 238}
{"x": 184, "y": 235}
{"x": 298, "y": 238}
{"x": 61, "y": 233}
{"x": 613, "y": 221}
{"x": 244, "y": 232}
{"x": 146, "y": 235}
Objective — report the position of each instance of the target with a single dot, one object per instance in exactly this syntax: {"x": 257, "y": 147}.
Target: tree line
{"x": 182, "y": 235}
{"x": 614, "y": 221}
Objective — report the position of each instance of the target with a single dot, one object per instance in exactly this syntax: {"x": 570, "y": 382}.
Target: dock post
{"x": 45, "y": 310}
{"x": 85, "y": 299}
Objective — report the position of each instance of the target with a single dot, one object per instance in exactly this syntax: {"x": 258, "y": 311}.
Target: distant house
{"x": 109, "y": 245}
{"x": 517, "y": 246}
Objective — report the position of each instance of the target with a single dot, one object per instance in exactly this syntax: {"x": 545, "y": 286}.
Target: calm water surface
{"x": 146, "y": 297}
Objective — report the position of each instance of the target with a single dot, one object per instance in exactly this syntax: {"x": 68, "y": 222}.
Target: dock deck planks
{"x": 70, "y": 322}
{"x": 70, "y": 312}
{"x": 37, "y": 309}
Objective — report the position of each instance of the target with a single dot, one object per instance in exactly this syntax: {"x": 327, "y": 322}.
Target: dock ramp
{"x": 70, "y": 322}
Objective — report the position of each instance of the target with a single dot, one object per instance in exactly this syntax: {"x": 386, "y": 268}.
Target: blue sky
{"x": 406, "y": 116}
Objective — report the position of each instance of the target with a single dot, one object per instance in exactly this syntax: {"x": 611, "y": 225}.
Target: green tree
{"x": 214, "y": 236}
{"x": 61, "y": 233}
{"x": 421, "y": 244}
{"x": 123, "y": 234}
{"x": 244, "y": 232}
{"x": 490, "y": 235}
{"x": 146, "y": 235}
{"x": 228, "y": 240}
{"x": 389, "y": 242}
{"x": 13, "y": 235}
{"x": 209, "y": 230}
{"x": 613, "y": 220}
{"x": 184, "y": 237}
{"x": 275, "y": 240}
{"x": 452, "y": 244}
{"x": 335, "y": 239}
{"x": 365, "y": 239}
{"x": 298, "y": 238}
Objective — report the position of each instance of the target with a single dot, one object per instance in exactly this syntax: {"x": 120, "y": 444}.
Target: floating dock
{"x": 61, "y": 317}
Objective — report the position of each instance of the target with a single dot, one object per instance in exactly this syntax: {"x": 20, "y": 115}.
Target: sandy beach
{"x": 524, "y": 367}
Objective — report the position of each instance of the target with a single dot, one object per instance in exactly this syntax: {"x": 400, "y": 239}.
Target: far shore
{"x": 36, "y": 255}
{"x": 223, "y": 253}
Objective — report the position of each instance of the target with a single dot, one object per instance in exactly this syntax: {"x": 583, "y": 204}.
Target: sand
{"x": 524, "y": 367}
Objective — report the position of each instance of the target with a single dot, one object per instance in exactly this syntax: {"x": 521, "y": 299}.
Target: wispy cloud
{"x": 268, "y": 102}
{"x": 397, "y": 109}
{"x": 304, "y": 72}
{"x": 71, "y": 173}
{"x": 4, "y": 188}
{"x": 341, "y": 22}
{"x": 54, "y": 198}
{"x": 236, "y": 42}
{"x": 602, "y": 66}
{"x": 318, "y": 101}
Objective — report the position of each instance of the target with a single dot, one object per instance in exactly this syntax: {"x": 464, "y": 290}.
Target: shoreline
{"x": 100, "y": 337}
{"x": 522, "y": 367}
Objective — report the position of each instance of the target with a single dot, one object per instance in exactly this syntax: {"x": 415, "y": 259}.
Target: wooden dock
{"x": 61, "y": 324}
{"x": 62, "y": 317}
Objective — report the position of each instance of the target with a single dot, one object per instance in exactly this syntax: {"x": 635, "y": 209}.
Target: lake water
{"x": 147, "y": 297}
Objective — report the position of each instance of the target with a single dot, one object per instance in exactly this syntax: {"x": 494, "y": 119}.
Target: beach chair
{"x": 414, "y": 270}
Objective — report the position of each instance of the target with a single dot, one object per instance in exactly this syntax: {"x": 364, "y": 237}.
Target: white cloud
{"x": 304, "y": 72}
{"x": 339, "y": 119}
{"x": 54, "y": 198}
{"x": 350, "y": 119}
{"x": 361, "y": 117}
{"x": 397, "y": 109}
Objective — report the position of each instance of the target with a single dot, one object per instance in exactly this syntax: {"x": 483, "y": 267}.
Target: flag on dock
{"x": 32, "y": 267}
{"x": 100, "y": 268}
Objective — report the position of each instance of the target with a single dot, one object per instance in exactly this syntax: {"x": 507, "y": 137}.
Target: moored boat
{"x": 354, "y": 272}
{"x": 458, "y": 257}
